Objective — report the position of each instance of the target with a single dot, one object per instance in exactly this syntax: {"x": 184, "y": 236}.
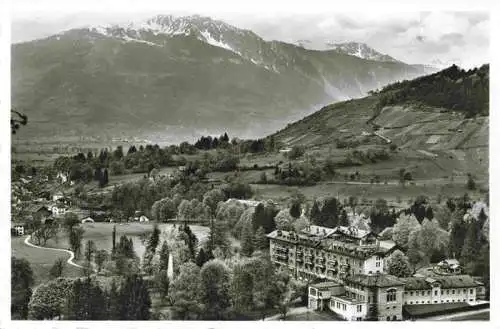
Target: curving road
{"x": 71, "y": 254}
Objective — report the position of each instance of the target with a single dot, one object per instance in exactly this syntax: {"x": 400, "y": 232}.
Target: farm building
{"x": 87, "y": 220}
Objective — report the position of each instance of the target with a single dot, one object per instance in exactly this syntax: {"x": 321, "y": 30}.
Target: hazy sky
{"x": 408, "y": 33}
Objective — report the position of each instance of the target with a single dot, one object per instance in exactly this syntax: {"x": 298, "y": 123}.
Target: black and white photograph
{"x": 272, "y": 162}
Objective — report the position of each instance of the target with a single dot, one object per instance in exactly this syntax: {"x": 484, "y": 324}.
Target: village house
{"x": 58, "y": 208}
{"x": 38, "y": 212}
{"x": 17, "y": 228}
{"x": 140, "y": 217}
{"x": 451, "y": 266}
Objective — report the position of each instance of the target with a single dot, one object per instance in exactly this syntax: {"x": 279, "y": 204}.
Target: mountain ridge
{"x": 114, "y": 79}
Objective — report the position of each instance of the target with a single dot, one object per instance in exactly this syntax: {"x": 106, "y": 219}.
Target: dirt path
{"x": 71, "y": 254}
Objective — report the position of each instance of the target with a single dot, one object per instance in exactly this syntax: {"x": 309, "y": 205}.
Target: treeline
{"x": 209, "y": 142}
{"x": 453, "y": 88}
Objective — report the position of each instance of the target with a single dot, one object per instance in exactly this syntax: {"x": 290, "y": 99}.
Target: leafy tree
{"x": 264, "y": 217}
{"x": 300, "y": 224}
{"x": 296, "y": 152}
{"x": 21, "y": 281}
{"x": 472, "y": 242}
{"x": 471, "y": 184}
{"x": 85, "y": 301}
{"x": 118, "y": 153}
{"x": 113, "y": 301}
{"x": 57, "y": 269}
{"x": 282, "y": 292}
{"x": 162, "y": 283}
{"x": 101, "y": 256}
{"x": 70, "y": 221}
{"x": 247, "y": 243}
{"x": 186, "y": 293}
{"x": 238, "y": 190}
{"x": 241, "y": 288}
{"x": 443, "y": 216}
{"x": 90, "y": 250}
{"x": 164, "y": 254}
{"x": 154, "y": 239}
{"x": 295, "y": 210}
{"x": 125, "y": 247}
{"x": 44, "y": 233}
{"x": 261, "y": 242}
{"x": 164, "y": 209}
{"x": 457, "y": 236}
{"x": 212, "y": 199}
{"x": 201, "y": 258}
{"x": 405, "y": 224}
{"x": 398, "y": 264}
{"x": 263, "y": 178}
{"x": 190, "y": 239}
{"x": 343, "y": 219}
{"x": 135, "y": 302}
{"x": 75, "y": 240}
{"x": 315, "y": 213}
{"x": 113, "y": 239}
{"x": 49, "y": 299}
{"x": 215, "y": 281}
{"x": 380, "y": 216}
{"x": 219, "y": 238}
{"x": 284, "y": 221}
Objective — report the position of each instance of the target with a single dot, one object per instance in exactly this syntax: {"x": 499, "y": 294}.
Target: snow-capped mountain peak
{"x": 360, "y": 50}
{"x": 210, "y": 31}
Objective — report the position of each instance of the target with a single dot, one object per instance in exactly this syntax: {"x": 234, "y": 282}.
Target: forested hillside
{"x": 452, "y": 88}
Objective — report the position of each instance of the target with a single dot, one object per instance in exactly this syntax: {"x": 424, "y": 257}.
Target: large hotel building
{"x": 350, "y": 264}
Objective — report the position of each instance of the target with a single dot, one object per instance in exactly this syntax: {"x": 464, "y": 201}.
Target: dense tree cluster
{"x": 209, "y": 142}
{"x": 452, "y": 88}
{"x": 21, "y": 281}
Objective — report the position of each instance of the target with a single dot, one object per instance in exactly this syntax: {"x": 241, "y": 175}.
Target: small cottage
{"x": 87, "y": 220}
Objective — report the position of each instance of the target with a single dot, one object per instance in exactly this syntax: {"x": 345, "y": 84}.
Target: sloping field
{"x": 431, "y": 142}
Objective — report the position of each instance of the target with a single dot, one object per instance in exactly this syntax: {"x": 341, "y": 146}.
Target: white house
{"x": 87, "y": 220}
{"x": 143, "y": 219}
{"x": 58, "y": 209}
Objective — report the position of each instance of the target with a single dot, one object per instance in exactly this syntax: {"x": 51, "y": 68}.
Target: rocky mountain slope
{"x": 360, "y": 50}
{"x": 154, "y": 77}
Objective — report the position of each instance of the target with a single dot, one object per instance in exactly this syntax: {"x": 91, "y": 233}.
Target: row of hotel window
{"x": 328, "y": 256}
{"x": 436, "y": 292}
{"x": 442, "y": 301}
{"x": 343, "y": 307}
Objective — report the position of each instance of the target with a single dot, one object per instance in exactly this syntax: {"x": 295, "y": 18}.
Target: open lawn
{"x": 101, "y": 234}
{"x": 41, "y": 260}
{"x": 313, "y": 316}
{"x": 394, "y": 194}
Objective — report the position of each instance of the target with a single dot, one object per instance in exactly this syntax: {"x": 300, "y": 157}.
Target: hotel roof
{"x": 446, "y": 282}
{"x": 325, "y": 285}
{"x": 377, "y": 280}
